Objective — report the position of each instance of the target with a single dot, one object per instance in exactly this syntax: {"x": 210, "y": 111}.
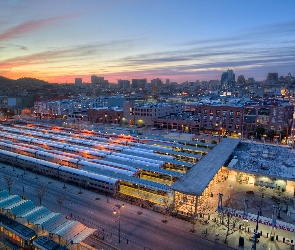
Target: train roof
{"x": 17, "y": 228}
{"x": 110, "y": 163}
{"x": 135, "y": 163}
{"x": 54, "y": 223}
{"x": 45, "y": 243}
{"x": 145, "y": 146}
{"x": 140, "y": 158}
{"x": 149, "y": 153}
{"x": 88, "y": 174}
{"x": 106, "y": 172}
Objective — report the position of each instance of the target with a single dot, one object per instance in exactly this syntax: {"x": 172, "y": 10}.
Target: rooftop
{"x": 196, "y": 180}
{"x": 265, "y": 159}
{"x": 53, "y": 223}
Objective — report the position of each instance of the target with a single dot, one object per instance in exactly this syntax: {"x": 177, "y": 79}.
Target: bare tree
{"x": 168, "y": 206}
{"x": 230, "y": 219}
{"x": 60, "y": 200}
{"x": 9, "y": 182}
{"x": 64, "y": 180}
{"x": 41, "y": 191}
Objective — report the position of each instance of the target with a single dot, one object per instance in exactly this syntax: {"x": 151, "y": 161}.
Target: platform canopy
{"x": 195, "y": 181}
{"x": 53, "y": 223}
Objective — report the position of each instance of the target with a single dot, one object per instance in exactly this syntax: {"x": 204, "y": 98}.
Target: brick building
{"x": 105, "y": 115}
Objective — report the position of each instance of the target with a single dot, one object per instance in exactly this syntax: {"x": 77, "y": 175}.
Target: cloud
{"x": 80, "y": 53}
{"x": 28, "y": 27}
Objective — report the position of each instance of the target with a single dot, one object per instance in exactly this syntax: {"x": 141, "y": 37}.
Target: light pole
{"x": 256, "y": 234}
{"x": 23, "y": 196}
{"x": 119, "y": 218}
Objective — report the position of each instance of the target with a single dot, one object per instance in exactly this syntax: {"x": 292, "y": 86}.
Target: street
{"x": 144, "y": 231}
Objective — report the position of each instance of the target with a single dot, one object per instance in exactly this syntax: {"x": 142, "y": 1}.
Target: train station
{"x": 184, "y": 176}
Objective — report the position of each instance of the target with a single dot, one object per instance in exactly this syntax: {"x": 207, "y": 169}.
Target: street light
{"x": 119, "y": 218}
{"x": 23, "y": 196}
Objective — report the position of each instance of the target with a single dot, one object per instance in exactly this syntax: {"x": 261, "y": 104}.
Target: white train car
{"x": 116, "y": 165}
{"x": 148, "y": 160}
{"x": 91, "y": 165}
{"x": 92, "y": 180}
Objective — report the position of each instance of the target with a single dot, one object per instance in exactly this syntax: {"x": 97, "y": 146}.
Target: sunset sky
{"x": 188, "y": 40}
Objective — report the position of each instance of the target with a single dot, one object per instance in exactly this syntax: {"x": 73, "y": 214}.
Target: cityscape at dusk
{"x": 147, "y": 125}
{"x": 183, "y": 41}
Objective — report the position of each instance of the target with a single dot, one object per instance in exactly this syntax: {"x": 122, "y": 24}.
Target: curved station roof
{"x": 53, "y": 223}
{"x": 199, "y": 176}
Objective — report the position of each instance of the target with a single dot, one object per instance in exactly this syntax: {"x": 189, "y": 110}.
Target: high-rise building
{"x": 167, "y": 81}
{"x": 272, "y": 78}
{"x": 241, "y": 80}
{"x": 124, "y": 84}
{"x": 227, "y": 80}
{"x": 156, "y": 82}
{"x": 97, "y": 81}
{"x": 78, "y": 81}
{"x": 139, "y": 83}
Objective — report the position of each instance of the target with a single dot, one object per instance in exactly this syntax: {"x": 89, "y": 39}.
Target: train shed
{"x": 56, "y": 225}
{"x": 191, "y": 189}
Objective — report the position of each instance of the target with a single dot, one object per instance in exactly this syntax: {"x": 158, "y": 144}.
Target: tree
{"x": 64, "y": 180}
{"x": 9, "y": 182}
{"x": 213, "y": 142}
{"x": 41, "y": 191}
{"x": 168, "y": 206}
{"x": 60, "y": 200}
{"x": 227, "y": 220}
{"x": 231, "y": 220}
{"x": 271, "y": 134}
{"x": 259, "y": 132}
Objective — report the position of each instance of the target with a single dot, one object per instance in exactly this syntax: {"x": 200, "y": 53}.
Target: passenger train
{"x": 78, "y": 176}
{"x": 63, "y": 160}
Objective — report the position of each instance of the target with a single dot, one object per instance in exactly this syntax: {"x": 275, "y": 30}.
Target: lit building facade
{"x": 144, "y": 114}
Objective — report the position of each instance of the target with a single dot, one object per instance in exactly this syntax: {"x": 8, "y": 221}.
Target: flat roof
{"x": 199, "y": 176}
{"x": 271, "y": 160}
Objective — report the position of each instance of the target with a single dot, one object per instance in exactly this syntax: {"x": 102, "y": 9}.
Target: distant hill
{"x": 29, "y": 80}
{"x": 4, "y": 80}
{"x": 23, "y": 81}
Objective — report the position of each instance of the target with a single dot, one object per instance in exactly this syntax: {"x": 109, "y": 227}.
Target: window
{"x": 224, "y": 112}
{"x": 238, "y": 113}
{"x": 231, "y": 112}
{"x": 263, "y": 111}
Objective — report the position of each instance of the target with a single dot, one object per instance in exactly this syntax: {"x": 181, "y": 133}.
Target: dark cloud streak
{"x": 28, "y": 27}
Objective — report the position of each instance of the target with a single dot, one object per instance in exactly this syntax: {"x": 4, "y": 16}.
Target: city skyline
{"x": 60, "y": 41}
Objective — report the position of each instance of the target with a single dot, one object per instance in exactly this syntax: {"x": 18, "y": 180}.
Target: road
{"x": 95, "y": 210}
